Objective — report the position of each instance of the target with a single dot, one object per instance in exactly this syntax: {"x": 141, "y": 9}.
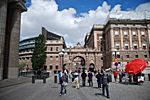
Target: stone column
{"x": 148, "y": 34}
{"x": 130, "y": 39}
{"x": 12, "y": 38}
{"x": 121, "y": 35}
{"x": 112, "y": 38}
{"x": 3, "y": 15}
{"x": 139, "y": 39}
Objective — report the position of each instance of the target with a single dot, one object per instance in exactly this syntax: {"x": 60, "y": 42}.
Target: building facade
{"x": 10, "y": 15}
{"x": 54, "y": 44}
{"x": 125, "y": 40}
{"x": 88, "y": 56}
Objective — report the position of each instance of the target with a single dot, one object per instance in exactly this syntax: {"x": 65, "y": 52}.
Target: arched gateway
{"x": 79, "y": 57}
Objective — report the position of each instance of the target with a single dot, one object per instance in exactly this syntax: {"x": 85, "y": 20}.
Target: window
{"x": 145, "y": 56}
{"x": 144, "y": 46}
{"x": 118, "y": 56}
{"x": 125, "y": 33}
{"x": 51, "y": 48}
{"x": 142, "y": 33}
{"x": 127, "y": 56}
{"x": 56, "y": 57}
{"x": 51, "y": 57}
{"x": 51, "y": 67}
{"x": 134, "y": 33}
{"x": 136, "y": 56}
{"x": 126, "y": 46}
{"x": 135, "y": 46}
{"x": 57, "y": 48}
{"x": 116, "y": 33}
{"x": 117, "y": 46}
{"x": 56, "y": 66}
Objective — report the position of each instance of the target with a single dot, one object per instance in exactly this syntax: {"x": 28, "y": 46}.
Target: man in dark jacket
{"x": 90, "y": 80}
{"x": 99, "y": 79}
{"x": 83, "y": 75}
{"x": 105, "y": 82}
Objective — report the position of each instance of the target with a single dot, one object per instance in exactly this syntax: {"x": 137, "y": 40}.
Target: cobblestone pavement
{"x": 50, "y": 91}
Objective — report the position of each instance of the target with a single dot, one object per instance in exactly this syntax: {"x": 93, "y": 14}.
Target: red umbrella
{"x": 135, "y": 66}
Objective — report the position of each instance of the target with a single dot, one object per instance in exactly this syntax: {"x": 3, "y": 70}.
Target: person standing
{"x": 99, "y": 79}
{"x": 83, "y": 75}
{"x": 59, "y": 76}
{"x": 115, "y": 75}
{"x": 105, "y": 86}
{"x": 63, "y": 83}
{"x": 90, "y": 80}
{"x": 76, "y": 79}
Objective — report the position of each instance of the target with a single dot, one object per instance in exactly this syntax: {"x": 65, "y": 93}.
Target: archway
{"x": 78, "y": 63}
{"x": 91, "y": 67}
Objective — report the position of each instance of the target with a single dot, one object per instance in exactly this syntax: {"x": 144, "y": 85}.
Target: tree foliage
{"x": 39, "y": 54}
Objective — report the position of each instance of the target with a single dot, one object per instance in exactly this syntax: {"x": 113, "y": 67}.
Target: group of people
{"x": 101, "y": 76}
{"x": 128, "y": 78}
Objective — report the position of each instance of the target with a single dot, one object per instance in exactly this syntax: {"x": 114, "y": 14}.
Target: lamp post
{"x": 61, "y": 54}
{"x": 115, "y": 59}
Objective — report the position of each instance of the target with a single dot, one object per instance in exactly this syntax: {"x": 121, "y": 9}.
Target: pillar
{"x": 3, "y": 15}
{"x": 130, "y": 39}
{"x": 121, "y": 35}
{"x": 112, "y": 38}
{"x": 139, "y": 40}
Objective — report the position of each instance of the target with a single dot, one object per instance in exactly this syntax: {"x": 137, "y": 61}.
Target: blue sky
{"x": 82, "y": 6}
{"x": 73, "y": 19}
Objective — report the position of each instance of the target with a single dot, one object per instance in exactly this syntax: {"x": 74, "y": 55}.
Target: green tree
{"x": 39, "y": 54}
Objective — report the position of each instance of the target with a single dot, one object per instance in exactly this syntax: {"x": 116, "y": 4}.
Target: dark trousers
{"x": 90, "y": 82}
{"x": 63, "y": 88}
{"x": 99, "y": 84}
{"x": 83, "y": 82}
{"x": 105, "y": 87}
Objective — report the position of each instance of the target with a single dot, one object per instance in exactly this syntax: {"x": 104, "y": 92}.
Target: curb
{"x": 12, "y": 82}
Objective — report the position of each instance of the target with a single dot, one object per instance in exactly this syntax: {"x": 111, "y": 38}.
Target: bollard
{"x": 44, "y": 79}
{"x": 149, "y": 76}
{"x": 33, "y": 79}
{"x": 55, "y": 78}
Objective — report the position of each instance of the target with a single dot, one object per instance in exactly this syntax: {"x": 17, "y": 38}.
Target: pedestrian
{"x": 76, "y": 79}
{"x": 59, "y": 76}
{"x": 120, "y": 76}
{"x": 83, "y": 75}
{"x": 115, "y": 75}
{"x": 90, "y": 78}
{"x": 99, "y": 79}
{"x": 63, "y": 83}
{"x": 105, "y": 86}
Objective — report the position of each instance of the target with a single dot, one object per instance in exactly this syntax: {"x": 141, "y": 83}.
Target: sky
{"x": 73, "y": 19}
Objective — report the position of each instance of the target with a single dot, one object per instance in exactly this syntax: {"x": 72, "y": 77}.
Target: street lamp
{"x": 61, "y": 54}
{"x": 115, "y": 59}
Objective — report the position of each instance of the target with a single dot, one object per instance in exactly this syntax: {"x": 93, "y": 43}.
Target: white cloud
{"x": 141, "y": 12}
{"x": 45, "y": 13}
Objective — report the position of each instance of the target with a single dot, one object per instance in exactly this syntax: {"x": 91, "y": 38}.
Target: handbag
{"x": 65, "y": 83}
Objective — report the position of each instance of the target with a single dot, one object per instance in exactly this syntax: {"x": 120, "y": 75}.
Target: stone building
{"x": 54, "y": 44}
{"x": 10, "y": 15}
{"x": 125, "y": 40}
{"x": 58, "y": 54}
